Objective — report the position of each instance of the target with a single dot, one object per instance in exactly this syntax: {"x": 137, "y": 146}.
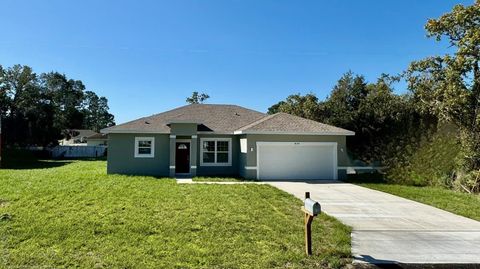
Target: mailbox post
{"x": 311, "y": 209}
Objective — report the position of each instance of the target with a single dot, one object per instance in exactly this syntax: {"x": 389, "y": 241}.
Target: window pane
{"x": 209, "y": 145}
{"x": 145, "y": 143}
{"x": 182, "y": 146}
{"x": 208, "y": 157}
{"x": 144, "y": 150}
{"x": 222, "y": 157}
{"x": 222, "y": 145}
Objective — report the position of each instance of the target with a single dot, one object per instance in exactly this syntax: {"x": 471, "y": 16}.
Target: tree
{"x": 449, "y": 86}
{"x": 66, "y": 96}
{"x": 96, "y": 113}
{"x": 4, "y": 100}
{"x": 35, "y": 109}
{"x": 197, "y": 98}
{"x": 383, "y": 121}
{"x": 303, "y": 106}
{"x": 341, "y": 107}
{"x": 20, "y": 96}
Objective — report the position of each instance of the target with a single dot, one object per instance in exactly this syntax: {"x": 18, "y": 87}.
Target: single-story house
{"x": 76, "y": 137}
{"x": 97, "y": 140}
{"x": 227, "y": 140}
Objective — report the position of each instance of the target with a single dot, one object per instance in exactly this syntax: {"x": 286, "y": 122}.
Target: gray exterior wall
{"x": 121, "y": 155}
{"x": 97, "y": 142}
{"x": 186, "y": 129}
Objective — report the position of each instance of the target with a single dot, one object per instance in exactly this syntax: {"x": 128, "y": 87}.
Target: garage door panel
{"x": 277, "y": 161}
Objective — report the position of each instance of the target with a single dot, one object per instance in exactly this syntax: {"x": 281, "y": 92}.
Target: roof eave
{"x": 106, "y": 131}
{"x": 134, "y": 131}
{"x": 345, "y": 133}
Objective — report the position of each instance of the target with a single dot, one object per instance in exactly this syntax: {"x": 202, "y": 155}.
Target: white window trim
{"x": 152, "y": 152}
{"x": 229, "y": 163}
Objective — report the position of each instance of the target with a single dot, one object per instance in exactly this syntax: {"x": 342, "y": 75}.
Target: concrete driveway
{"x": 390, "y": 229}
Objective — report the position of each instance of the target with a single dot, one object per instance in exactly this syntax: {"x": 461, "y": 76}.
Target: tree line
{"x": 39, "y": 109}
{"x": 377, "y": 115}
{"x": 443, "y": 90}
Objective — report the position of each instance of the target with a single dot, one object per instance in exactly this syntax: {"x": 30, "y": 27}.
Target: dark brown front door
{"x": 182, "y": 158}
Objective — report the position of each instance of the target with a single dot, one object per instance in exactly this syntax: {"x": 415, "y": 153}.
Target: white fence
{"x": 78, "y": 151}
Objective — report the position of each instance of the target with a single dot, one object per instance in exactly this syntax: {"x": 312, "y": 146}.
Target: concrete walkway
{"x": 190, "y": 181}
{"x": 390, "y": 229}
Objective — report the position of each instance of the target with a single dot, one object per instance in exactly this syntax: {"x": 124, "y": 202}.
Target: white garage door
{"x": 297, "y": 160}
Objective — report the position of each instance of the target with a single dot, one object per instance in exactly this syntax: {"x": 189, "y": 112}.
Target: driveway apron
{"x": 391, "y": 229}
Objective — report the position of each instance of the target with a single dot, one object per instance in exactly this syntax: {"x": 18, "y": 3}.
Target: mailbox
{"x": 312, "y": 207}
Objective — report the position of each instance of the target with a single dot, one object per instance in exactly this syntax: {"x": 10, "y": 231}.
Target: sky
{"x": 148, "y": 56}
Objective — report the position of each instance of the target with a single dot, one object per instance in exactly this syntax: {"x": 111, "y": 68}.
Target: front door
{"x": 182, "y": 158}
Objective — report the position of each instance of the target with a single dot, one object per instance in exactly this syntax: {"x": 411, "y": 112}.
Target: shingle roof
{"x": 227, "y": 119}
{"x": 80, "y": 133}
{"x": 290, "y": 124}
{"x": 216, "y": 118}
{"x": 98, "y": 137}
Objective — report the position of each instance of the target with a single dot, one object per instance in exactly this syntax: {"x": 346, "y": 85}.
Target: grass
{"x": 71, "y": 214}
{"x": 467, "y": 205}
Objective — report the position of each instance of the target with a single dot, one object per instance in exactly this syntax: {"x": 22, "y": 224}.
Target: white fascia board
{"x": 156, "y": 132}
{"x": 215, "y": 133}
{"x": 346, "y": 133}
{"x": 103, "y": 131}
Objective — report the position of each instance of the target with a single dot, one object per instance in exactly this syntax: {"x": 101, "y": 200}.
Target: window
{"x": 216, "y": 152}
{"x": 144, "y": 147}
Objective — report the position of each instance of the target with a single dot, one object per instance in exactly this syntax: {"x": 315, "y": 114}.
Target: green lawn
{"x": 71, "y": 214}
{"x": 464, "y": 204}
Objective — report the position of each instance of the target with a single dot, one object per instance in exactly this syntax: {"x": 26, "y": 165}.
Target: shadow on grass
{"x": 375, "y": 178}
{"x": 32, "y": 164}
{"x": 24, "y": 159}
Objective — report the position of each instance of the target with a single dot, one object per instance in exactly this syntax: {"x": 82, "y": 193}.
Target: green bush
{"x": 431, "y": 162}
{"x": 469, "y": 182}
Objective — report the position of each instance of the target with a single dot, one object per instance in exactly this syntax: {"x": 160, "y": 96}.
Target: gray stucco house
{"x": 227, "y": 140}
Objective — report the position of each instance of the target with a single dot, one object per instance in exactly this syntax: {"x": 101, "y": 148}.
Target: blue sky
{"x": 148, "y": 56}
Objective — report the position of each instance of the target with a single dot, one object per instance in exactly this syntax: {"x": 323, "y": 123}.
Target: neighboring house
{"x": 97, "y": 140}
{"x": 76, "y": 137}
{"x": 227, "y": 140}
{"x": 82, "y": 144}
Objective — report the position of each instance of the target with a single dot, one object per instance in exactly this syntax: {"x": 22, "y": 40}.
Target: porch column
{"x": 193, "y": 157}
{"x": 173, "y": 139}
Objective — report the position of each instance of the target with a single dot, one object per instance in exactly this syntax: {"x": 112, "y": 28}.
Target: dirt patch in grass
{"x": 3, "y": 203}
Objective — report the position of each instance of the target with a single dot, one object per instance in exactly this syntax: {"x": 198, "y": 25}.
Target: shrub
{"x": 468, "y": 182}
{"x": 431, "y": 162}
